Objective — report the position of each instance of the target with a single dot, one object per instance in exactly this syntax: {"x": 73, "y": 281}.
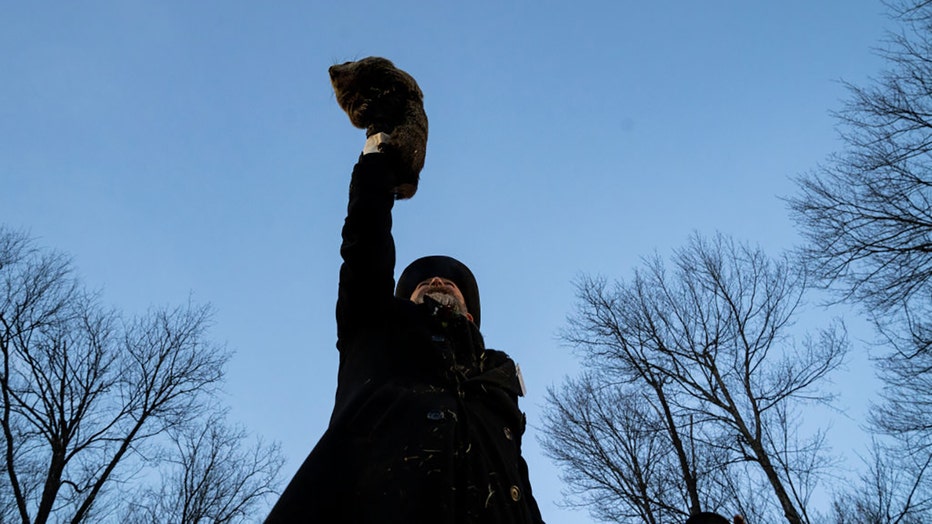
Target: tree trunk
{"x": 692, "y": 489}
{"x": 52, "y": 485}
{"x": 789, "y": 510}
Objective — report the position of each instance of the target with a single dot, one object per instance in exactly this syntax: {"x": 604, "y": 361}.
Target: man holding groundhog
{"x": 426, "y": 426}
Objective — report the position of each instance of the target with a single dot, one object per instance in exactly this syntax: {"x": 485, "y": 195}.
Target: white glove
{"x": 373, "y": 143}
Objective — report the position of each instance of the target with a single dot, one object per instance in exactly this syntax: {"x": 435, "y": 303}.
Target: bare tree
{"x": 86, "y": 393}
{"x": 906, "y": 372}
{"x": 621, "y": 457}
{"x": 707, "y": 346}
{"x": 892, "y": 490}
{"x": 867, "y": 214}
{"x": 209, "y": 475}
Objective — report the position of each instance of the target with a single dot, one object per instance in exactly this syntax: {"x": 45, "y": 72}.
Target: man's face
{"x": 442, "y": 290}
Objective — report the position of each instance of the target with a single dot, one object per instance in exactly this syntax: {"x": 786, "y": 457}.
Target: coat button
{"x": 515, "y": 493}
{"x": 435, "y": 414}
{"x": 507, "y": 431}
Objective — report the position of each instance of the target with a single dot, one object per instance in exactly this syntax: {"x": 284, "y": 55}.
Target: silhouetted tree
{"x": 867, "y": 214}
{"x": 621, "y": 458}
{"x": 85, "y": 394}
{"x": 891, "y": 490}
{"x": 700, "y": 353}
{"x": 208, "y": 476}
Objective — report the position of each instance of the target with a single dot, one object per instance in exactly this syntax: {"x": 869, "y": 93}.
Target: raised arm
{"x": 368, "y": 249}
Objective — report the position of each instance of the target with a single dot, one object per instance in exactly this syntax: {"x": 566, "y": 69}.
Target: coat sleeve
{"x": 367, "y": 282}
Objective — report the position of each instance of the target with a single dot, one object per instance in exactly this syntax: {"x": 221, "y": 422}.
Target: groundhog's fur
{"x": 381, "y": 98}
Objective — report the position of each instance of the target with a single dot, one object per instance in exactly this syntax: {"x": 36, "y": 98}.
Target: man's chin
{"x": 446, "y": 299}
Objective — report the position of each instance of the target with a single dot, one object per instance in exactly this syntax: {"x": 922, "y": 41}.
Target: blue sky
{"x": 195, "y": 148}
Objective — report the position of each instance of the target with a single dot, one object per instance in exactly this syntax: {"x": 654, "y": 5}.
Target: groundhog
{"x": 381, "y": 98}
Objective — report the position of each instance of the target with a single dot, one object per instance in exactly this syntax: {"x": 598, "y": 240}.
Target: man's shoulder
{"x": 501, "y": 370}
{"x": 495, "y": 358}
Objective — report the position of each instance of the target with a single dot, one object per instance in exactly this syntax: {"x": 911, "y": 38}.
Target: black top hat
{"x": 444, "y": 267}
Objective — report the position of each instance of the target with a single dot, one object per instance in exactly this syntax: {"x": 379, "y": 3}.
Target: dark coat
{"x": 426, "y": 426}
